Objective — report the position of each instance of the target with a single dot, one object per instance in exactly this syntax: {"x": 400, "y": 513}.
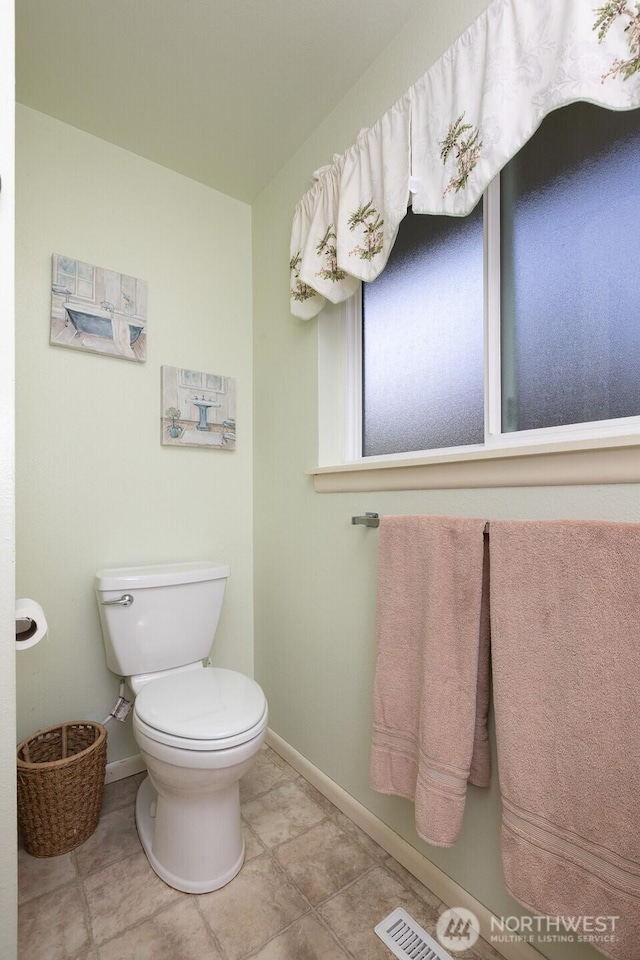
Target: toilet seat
{"x": 206, "y": 709}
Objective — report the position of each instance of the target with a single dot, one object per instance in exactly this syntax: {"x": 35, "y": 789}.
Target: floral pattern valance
{"x": 453, "y": 131}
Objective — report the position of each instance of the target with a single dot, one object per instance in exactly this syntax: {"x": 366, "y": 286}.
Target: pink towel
{"x": 565, "y": 636}
{"x": 431, "y": 688}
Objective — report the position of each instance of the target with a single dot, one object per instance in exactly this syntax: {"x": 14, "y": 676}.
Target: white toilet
{"x": 198, "y": 727}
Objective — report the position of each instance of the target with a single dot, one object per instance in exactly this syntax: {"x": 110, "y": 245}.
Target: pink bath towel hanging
{"x": 431, "y": 688}
{"x": 565, "y": 634}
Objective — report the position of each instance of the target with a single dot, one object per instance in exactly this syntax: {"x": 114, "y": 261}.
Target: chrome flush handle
{"x": 125, "y": 601}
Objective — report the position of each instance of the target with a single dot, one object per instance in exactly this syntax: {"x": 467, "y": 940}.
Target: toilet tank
{"x": 171, "y": 620}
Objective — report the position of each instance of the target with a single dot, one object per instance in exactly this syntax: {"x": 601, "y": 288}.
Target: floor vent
{"x": 407, "y": 939}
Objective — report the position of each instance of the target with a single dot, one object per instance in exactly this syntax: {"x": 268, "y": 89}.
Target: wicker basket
{"x": 60, "y": 784}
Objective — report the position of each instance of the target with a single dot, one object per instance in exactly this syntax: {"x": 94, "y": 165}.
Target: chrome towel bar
{"x": 368, "y": 520}
{"x": 373, "y": 520}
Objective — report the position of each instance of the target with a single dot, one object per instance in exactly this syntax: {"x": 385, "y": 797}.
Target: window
{"x": 519, "y": 324}
{"x": 75, "y": 278}
{"x": 570, "y": 284}
{"x": 430, "y": 374}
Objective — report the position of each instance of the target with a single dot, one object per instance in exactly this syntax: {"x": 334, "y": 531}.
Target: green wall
{"x": 94, "y": 486}
{"x": 314, "y": 572}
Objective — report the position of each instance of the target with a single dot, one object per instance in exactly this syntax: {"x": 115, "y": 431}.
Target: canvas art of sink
{"x": 198, "y": 409}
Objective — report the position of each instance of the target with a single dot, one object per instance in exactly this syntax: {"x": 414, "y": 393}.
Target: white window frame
{"x": 494, "y": 439}
{"x": 601, "y": 452}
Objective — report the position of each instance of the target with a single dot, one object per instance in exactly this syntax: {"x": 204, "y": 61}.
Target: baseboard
{"x": 431, "y": 876}
{"x": 119, "y": 769}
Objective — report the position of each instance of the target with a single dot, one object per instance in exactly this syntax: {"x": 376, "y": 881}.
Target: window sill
{"x": 610, "y": 460}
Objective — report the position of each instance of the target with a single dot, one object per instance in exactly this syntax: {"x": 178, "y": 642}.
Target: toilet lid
{"x": 208, "y": 704}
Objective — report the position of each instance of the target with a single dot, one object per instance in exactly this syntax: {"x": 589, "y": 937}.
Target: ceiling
{"x": 223, "y": 91}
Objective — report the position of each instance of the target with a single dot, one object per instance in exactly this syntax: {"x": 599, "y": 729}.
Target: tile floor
{"x": 312, "y": 888}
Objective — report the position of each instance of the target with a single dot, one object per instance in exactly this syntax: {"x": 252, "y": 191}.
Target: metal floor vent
{"x": 406, "y": 938}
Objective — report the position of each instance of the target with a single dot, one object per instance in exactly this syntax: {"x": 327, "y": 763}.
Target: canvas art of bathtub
{"x": 98, "y": 310}
{"x": 198, "y": 409}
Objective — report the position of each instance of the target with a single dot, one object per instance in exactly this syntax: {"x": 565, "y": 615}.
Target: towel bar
{"x": 368, "y": 520}
{"x": 373, "y": 520}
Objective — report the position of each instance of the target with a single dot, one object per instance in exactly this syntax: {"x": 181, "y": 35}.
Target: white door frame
{"x": 8, "y": 877}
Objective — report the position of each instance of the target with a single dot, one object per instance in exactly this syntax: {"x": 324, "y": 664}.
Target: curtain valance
{"x": 453, "y": 131}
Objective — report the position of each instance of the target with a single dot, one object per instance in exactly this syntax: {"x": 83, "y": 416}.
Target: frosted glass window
{"x": 423, "y": 339}
{"x": 570, "y": 281}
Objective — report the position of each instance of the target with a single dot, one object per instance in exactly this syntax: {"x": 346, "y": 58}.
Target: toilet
{"x": 198, "y": 727}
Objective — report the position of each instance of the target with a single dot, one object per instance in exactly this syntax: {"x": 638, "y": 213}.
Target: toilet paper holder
{"x": 31, "y": 623}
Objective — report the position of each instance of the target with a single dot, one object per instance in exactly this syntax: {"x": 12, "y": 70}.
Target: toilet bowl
{"x": 198, "y": 728}
{"x": 188, "y": 808}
